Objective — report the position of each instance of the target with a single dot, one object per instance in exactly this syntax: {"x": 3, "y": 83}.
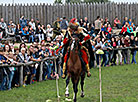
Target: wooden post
{"x": 41, "y": 71}
{"x": 128, "y": 56}
{"x": 21, "y": 76}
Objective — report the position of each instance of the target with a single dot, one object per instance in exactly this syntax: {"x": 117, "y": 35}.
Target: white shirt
{"x": 32, "y": 25}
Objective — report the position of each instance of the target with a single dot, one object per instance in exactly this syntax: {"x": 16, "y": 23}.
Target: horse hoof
{"x": 66, "y": 95}
{"x": 82, "y": 95}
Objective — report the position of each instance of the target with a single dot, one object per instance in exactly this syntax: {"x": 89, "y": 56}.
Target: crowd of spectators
{"x": 37, "y": 42}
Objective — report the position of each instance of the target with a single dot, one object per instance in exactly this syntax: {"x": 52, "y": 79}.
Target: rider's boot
{"x": 88, "y": 70}
{"x": 64, "y": 69}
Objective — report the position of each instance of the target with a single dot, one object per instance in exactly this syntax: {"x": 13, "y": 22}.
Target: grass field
{"x": 119, "y": 84}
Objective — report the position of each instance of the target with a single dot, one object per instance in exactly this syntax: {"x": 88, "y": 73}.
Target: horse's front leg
{"x": 75, "y": 88}
{"x": 82, "y": 84}
{"x": 67, "y": 87}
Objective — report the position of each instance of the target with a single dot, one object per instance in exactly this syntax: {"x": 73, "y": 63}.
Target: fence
{"x": 48, "y": 13}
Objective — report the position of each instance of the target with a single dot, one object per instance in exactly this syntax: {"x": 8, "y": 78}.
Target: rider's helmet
{"x": 73, "y": 24}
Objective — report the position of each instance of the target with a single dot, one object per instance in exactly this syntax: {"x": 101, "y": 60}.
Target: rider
{"x": 75, "y": 29}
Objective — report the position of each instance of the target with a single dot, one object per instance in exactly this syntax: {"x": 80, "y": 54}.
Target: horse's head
{"x": 74, "y": 44}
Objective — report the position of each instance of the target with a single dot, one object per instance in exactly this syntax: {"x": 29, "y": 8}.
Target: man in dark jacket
{"x": 64, "y": 24}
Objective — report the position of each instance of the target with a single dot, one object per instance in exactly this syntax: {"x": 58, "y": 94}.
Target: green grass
{"x": 119, "y": 84}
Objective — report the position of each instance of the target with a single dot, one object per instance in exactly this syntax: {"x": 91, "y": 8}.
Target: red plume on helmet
{"x": 72, "y": 20}
{"x": 73, "y": 24}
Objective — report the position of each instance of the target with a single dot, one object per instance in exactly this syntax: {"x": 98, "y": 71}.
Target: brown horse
{"x": 74, "y": 69}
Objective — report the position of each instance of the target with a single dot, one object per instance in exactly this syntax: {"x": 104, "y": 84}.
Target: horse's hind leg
{"x": 67, "y": 85}
{"x": 82, "y": 83}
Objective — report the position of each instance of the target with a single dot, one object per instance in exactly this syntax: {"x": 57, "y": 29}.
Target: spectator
{"x": 129, "y": 30}
{"x": 108, "y": 47}
{"x": 133, "y": 26}
{"x": 106, "y": 21}
{"x": 3, "y": 25}
{"x": 32, "y": 24}
{"x": 31, "y": 35}
{"x": 119, "y": 52}
{"x": 64, "y": 24}
{"x": 23, "y": 22}
{"x": 98, "y": 46}
{"x": 113, "y": 44}
{"x": 102, "y": 32}
{"x": 127, "y": 44}
{"x": 108, "y": 31}
{"x": 25, "y": 33}
{"x": 84, "y": 25}
{"x": 5, "y": 74}
{"x": 22, "y": 45}
{"x": 1, "y": 33}
{"x": 40, "y": 33}
{"x": 45, "y": 53}
{"x": 5, "y": 69}
{"x": 124, "y": 29}
{"x": 86, "y": 20}
{"x": 117, "y": 23}
{"x": 102, "y": 21}
{"x": 125, "y": 20}
{"x": 11, "y": 30}
{"x": 23, "y": 58}
{"x": 18, "y": 32}
{"x": 34, "y": 57}
{"x": 81, "y": 22}
{"x": 49, "y": 31}
{"x": 44, "y": 31}
{"x": 11, "y": 69}
{"x": 90, "y": 29}
{"x": 97, "y": 25}
{"x": 37, "y": 23}
{"x": 133, "y": 51}
{"x": 130, "y": 21}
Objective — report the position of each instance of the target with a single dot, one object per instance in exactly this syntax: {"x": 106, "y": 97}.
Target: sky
{"x": 51, "y": 1}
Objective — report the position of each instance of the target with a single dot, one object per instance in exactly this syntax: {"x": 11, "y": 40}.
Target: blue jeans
{"x": 10, "y": 79}
{"x": 3, "y": 84}
{"x": 48, "y": 70}
{"x": 31, "y": 37}
{"x": 40, "y": 36}
{"x": 4, "y": 80}
{"x": 133, "y": 57}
